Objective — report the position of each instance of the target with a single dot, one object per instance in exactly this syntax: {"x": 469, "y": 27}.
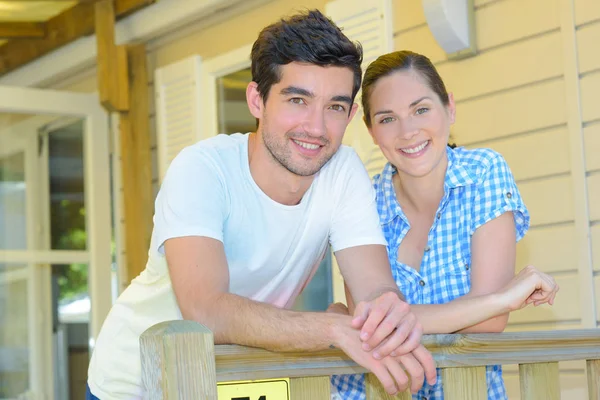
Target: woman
{"x": 451, "y": 216}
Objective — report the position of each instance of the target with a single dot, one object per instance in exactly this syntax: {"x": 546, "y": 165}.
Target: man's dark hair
{"x": 308, "y": 37}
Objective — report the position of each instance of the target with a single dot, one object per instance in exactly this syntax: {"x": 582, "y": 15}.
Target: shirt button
{"x": 509, "y": 195}
{"x": 427, "y": 248}
{"x": 439, "y": 215}
{"x": 422, "y": 282}
{"x": 467, "y": 267}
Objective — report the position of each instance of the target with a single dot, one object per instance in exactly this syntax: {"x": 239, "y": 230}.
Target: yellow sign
{"x": 277, "y": 389}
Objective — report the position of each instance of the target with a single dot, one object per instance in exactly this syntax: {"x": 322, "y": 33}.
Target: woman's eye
{"x": 422, "y": 110}
{"x": 386, "y": 120}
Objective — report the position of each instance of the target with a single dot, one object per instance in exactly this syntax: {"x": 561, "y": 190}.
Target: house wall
{"x": 532, "y": 92}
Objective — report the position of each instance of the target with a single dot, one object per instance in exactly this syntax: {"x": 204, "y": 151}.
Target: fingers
{"x": 390, "y": 336}
{"x": 383, "y": 373}
{"x": 415, "y": 371}
{"x": 425, "y": 358}
{"x": 400, "y": 342}
{"x": 400, "y": 378}
{"x": 387, "y": 315}
{"x": 361, "y": 312}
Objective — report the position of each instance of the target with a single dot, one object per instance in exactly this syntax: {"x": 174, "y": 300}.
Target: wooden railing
{"x": 179, "y": 361}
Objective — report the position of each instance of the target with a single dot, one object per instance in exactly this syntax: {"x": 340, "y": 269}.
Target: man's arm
{"x": 200, "y": 279}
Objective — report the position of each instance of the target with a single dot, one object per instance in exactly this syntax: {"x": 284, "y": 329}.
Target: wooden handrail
{"x": 177, "y": 346}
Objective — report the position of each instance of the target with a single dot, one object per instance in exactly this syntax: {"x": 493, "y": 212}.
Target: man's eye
{"x": 297, "y": 100}
{"x": 338, "y": 107}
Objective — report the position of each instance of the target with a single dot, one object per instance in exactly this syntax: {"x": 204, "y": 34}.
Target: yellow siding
{"x": 586, "y": 11}
{"x": 548, "y": 152}
{"x": 596, "y": 253}
{"x": 505, "y": 67}
{"x": 587, "y": 38}
{"x": 594, "y": 196}
{"x": 407, "y": 14}
{"x": 549, "y": 201}
{"x": 534, "y": 249}
{"x": 525, "y": 109}
{"x": 592, "y": 146}
{"x": 590, "y": 96}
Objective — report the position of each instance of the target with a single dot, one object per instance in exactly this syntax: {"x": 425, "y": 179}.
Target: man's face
{"x": 304, "y": 118}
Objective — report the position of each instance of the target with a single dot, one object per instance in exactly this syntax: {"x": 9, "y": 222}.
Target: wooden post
{"x": 593, "y": 378}
{"x": 313, "y": 388}
{"x": 112, "y": 69}
{"x": 465, "y": 383}
{"x": 539, "y": 381}
{"x": 136, "y": 163}
{"x": 376, "y": 392}
{"x": 178, "y": 361}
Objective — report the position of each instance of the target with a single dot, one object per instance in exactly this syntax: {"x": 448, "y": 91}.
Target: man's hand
{"x": 387, "y": 326}
{"x": 392, "y": 372}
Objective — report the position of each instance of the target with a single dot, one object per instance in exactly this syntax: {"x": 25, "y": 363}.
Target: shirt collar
{"x": 457, "y": 174}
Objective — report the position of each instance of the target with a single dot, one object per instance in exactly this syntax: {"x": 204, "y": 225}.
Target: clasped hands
{"x": 386, "y": 339}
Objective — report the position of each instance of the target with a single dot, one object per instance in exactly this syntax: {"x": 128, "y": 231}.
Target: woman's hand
{"x": 530, "y": 286}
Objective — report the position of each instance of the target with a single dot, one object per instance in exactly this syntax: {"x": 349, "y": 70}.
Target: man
{"x": 242, "y": 222}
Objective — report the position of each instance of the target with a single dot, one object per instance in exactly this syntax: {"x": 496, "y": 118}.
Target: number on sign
{"x": 263, "y": 397}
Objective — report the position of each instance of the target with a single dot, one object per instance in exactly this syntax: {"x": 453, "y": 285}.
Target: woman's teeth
{"x": 417, "y": 149}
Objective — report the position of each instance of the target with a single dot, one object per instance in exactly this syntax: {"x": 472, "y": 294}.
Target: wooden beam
{"x": 62, "y": 29}
{"x": 22, "y": 30}
{"x": 112, "y": 67}
{"x": 136, "y": 164}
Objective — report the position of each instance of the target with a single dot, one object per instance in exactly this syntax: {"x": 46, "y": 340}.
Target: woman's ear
{"x": 254, "y": 100}
{"x": 451, "y": 108}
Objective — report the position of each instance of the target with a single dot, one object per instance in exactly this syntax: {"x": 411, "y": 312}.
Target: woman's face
{"x": 409, "y": 122}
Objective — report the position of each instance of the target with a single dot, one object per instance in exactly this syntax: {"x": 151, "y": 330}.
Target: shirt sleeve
{"x": 497, "y": 193}
{"x": 192, "y": 201}
{"x": 355, "y": 221}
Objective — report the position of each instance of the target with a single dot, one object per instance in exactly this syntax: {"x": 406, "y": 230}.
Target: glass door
{"x": 21, "y": 357}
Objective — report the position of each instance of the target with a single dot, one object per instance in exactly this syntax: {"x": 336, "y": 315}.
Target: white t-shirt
{"x": 272, "y": 249}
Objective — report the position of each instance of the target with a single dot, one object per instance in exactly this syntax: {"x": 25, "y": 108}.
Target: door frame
{"x": 47, "y": 105}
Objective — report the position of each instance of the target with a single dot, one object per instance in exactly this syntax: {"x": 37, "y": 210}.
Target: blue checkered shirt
{"x": 478, "y": 187}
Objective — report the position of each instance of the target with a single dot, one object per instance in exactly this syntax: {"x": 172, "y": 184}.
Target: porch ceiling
{"x": 30, "y": 29}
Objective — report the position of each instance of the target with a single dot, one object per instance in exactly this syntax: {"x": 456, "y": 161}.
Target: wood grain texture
{"x": 62, "y": 29}
{"x": 593, "y": 378}
{"x": 178, "y": 361}
{"x": 239, "y": 363}
{"x": 314, "y": 388}
{"x": 464, "y": 383}
{"x": 136, "y": 164}
{"x": 376, "y": 392}
{"x": 539, "y": 381}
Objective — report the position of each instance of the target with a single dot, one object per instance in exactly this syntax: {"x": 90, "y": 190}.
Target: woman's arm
{"x": 495, "y": 291}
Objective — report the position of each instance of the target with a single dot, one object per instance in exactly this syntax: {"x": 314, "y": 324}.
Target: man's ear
{"x": 254, "y": 100}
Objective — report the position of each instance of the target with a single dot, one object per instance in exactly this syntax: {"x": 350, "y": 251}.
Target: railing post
{"x": 178, "y": 361}
{"x": 313, "y": 388}
{"x": 593, "y": 379}
{"x": 464, "y": 383}
{"x": 376, "y": 392}
{"x": 539, "y": 381}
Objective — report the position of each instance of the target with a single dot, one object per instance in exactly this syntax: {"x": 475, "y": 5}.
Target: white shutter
{"x": 370, "y": 23}
{"x": 177, "y": 95}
